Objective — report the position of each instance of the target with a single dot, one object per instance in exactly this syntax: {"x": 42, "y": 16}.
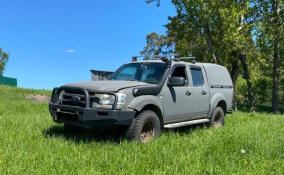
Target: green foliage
{"x": 3, "y": 61}
{"x": 270, "y": 42}
{"x": 31, "y": 143}
{"x": 262, "y": 88}
{"x": 281, "y": 87}
{"x": 206, "y": 27}
{"x": 157, "y": 45}
{"x": 218, "y": 31}
{"x": 150, "y": 1}
{"x": 241, "y": 91}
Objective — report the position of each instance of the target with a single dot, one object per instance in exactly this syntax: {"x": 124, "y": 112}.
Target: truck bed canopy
{"x": 217, "y": 75}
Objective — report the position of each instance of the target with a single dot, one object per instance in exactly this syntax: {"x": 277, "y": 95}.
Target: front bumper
{"x": 88, "y": 117}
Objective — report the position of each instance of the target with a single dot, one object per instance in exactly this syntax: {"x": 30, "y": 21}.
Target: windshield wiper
{"x": 149, "y": 82}
{"x": 132, "y": 80}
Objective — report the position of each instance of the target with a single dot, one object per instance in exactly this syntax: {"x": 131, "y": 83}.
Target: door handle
{"x": 203, "y": 92}
{"x": 187, "y": 93}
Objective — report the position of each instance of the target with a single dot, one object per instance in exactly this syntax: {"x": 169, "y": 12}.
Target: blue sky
{"x": 53, "y": 42}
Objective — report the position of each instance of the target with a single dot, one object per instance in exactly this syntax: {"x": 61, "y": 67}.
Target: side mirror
{"x": 176, "y": 81}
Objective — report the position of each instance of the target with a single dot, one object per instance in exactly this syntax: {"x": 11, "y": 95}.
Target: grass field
{"x": 30, "y": 143}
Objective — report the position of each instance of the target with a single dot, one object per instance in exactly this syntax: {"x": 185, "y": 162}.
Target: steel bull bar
{"x": 87, "y": 116}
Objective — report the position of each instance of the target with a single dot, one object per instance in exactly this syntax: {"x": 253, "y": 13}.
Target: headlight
{"x": 106, "y": 101}
{"x": 103, "y": 101}
{"x": 60, "y": 98}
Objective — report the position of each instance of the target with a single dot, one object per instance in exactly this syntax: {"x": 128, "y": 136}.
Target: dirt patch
{"x": 38, "y": 98}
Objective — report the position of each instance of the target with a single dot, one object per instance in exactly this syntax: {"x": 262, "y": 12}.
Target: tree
{"x": 281, "y": 77}
{"x": 215, "y": 31}
{"x": 270, "y": 42}
{"x": 150, "y": 1}
{"x": 281, "y": 85}
{"x": 244, "y": 35}
{"x": 3, "y": 61}
{"x": 157, "y": 45}
{"x": 276, "y": 54}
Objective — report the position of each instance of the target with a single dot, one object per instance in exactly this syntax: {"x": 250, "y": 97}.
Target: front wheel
{"x": 144, "y": 127}
{"x": 218, "y": 118}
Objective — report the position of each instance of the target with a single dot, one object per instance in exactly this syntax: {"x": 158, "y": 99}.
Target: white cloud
{"x": 70, "y": 51}
{"x": 73, "y": 50}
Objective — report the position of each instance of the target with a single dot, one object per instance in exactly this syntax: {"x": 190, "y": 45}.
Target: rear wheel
{"x": 144, "y": 127}
{"x": 218, "y": 118}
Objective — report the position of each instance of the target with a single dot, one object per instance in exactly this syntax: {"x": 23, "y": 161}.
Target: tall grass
{"x": 30, "y": 143}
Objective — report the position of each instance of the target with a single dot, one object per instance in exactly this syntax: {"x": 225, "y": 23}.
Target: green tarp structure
{"x": 8, "y": 81}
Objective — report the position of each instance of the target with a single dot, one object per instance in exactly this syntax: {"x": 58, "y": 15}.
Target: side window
{"x": 197, "y": 77}
{"x": 180, "y": 72}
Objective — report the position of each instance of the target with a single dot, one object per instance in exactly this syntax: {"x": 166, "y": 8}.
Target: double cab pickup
{"x": 146, "y": 96}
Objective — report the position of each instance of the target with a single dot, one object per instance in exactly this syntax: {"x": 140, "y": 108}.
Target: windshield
{"x": 145, "y": 72}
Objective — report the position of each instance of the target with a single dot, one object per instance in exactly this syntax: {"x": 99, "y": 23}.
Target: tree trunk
{"x": 242, "y": 57}
{"x": 209, "y": 42}
{"x": 234, "y": 71}
{"x": 275, "y": 99}
{"x": 234, "y": 77}
{"x": 276, "y": 59}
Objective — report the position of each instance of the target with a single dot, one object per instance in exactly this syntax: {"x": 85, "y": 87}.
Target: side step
{"x": 231, "y": 111}
{"x": 180, "y": 124}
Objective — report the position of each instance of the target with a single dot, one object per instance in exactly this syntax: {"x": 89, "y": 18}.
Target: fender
{"x": 140, "y": 102}
{"x": 216, "y": 98}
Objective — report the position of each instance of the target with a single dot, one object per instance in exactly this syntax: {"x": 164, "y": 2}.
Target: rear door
{"x": 200, "y": 92}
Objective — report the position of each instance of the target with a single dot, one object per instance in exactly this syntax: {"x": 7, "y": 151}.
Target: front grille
{"x": 73, "y": 99}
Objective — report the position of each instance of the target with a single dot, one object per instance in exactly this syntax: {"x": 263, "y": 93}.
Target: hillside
{"x": 30, "y": 143}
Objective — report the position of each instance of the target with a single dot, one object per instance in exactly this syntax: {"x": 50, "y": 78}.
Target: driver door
{"x": 177, "y": 100}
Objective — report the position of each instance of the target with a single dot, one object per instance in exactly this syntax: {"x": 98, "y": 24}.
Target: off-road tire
{"x": 218, "y": 118}
{"x": 144, "y": 127}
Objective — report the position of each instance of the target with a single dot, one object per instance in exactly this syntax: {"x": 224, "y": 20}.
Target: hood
{"x": 107, "y": 85}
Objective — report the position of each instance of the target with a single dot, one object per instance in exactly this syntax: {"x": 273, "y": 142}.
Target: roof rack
{"x": 156, "y": 57}
{"x": 191, "y": 59}
{"x": 168, "y": 58}
{"x": 165, "y": 59}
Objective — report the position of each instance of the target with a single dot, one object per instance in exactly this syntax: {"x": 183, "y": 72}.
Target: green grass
{"x": 30, "y": 143}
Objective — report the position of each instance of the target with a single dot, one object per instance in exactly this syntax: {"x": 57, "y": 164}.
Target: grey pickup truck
{"x": 146, "y": 96}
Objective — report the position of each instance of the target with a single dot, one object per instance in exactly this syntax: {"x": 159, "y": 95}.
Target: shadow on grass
{"x": 106, "y": 135}
{"x": 185, "y": 130}
{"x": 112, "y": 135}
